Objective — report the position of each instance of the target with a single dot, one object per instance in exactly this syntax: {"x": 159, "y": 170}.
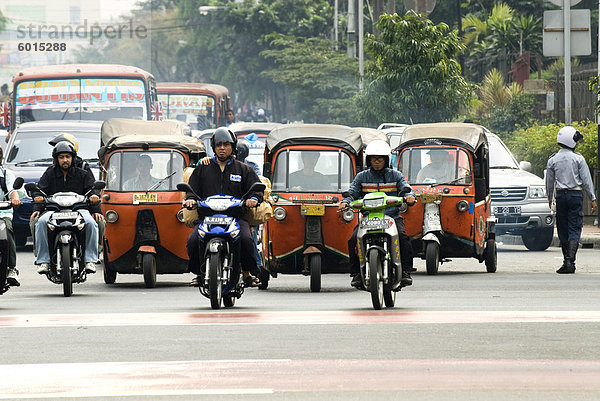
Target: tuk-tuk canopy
{"x": 370, "y": 134}
{"x": 127, "y": 133}
{"x": 472, "y": 135}
{"x": 314, "y": 134}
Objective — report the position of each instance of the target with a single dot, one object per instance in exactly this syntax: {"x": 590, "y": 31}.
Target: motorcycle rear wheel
{"x": 375, "y": 281}
{"x": 65, "y": 265}
{"x": 215, "y": 285}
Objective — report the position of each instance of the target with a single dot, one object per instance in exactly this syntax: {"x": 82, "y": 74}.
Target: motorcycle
{"x": 5, "y": 205}
{"x": 66, "y": 228}
{"x": 378, "y": 247}
{"x": 219, "y": 232}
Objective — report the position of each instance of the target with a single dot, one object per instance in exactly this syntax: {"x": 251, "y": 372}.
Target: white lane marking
{"x": 296, "y": 318}
{"x": 151, "y": 378}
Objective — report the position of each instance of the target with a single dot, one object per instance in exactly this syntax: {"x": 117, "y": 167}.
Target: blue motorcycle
{"x": 219, "y": 233}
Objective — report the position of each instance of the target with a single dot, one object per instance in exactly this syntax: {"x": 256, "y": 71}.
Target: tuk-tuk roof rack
{"x": 471, "y": 135}
{"x": 311, "y": 134}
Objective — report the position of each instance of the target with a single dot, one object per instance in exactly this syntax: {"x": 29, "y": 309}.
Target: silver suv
{"x": 519, "y": 199}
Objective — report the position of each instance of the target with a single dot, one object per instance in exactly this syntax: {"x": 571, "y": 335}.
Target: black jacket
{"x": 235, "y": 180}
{"x": 78, "y": 180}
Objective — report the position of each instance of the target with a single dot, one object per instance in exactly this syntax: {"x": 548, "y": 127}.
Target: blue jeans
{"x": 91, "y": 238}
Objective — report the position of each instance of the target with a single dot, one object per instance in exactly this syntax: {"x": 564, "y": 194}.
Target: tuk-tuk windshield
{"x": 312, "y": 171}
{"x": 144, "y": 170}
{"x": 436, "y": 165}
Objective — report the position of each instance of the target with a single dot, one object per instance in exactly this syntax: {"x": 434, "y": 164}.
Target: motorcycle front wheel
{"x": 149, "y": 268}
{"x": 375, "y": 281}
{"x": 65, "y": 265}
{"x": 215, "y": 285}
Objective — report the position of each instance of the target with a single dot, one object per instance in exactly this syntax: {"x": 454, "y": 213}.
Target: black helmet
{"x": 242, "y": 150}
{"x": 63, "y": 147}
{"x": 223, "y": 135}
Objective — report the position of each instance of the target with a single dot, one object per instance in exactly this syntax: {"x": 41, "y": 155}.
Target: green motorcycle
{"x": 378, "y": 247}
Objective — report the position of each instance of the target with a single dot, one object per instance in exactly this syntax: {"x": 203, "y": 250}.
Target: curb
{"x": 586, "y": 241}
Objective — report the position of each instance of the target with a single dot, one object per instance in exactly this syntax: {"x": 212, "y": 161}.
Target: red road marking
{"x": 267, "y": 376}
{"x": 301, "y": 317}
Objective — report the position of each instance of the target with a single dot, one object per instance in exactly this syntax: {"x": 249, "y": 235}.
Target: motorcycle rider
{"x": 380, "y": 177}
{"x": 62, "y": 176}
{"x": 77, "y": 162}
{"x": 568, "y": 173}
{"x": 7, "y": 178}
{"x": 227, "y": 176}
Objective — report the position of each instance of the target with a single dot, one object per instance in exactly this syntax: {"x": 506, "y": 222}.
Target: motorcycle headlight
{"x": 373, "y": 202}
{"x": 537, "y": 192}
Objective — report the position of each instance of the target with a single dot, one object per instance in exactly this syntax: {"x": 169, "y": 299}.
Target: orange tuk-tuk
{"x": 142, "y": 163}
{"x": 309, "y": 166}
{"x": 447, "y": 165}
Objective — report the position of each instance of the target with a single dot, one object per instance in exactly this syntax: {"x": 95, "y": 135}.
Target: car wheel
{"x": 538, "y": 240}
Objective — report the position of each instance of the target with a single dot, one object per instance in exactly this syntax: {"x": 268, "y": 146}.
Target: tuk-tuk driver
{"x": 227, "y": 176}
{"x": 440, "y": 170}
{"x": 379, "y": 175}
{"x": 144, "y": 180}
{"x": 307, "y": 178}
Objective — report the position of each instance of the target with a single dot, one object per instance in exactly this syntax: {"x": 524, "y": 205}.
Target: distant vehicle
{"x": 255, "y": 134}
{"x": 519, "y": 199}
{"x": 394, "y": 134}
{"x": 83, "y": 92}
{"x": 200, "y": 105}
{"x": 391, "y": 125}
{"x": 28, "y": 155}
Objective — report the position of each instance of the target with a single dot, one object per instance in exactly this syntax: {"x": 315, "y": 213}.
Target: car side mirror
{"x": 525, "y": 165}
{"x": 267, "y": 169}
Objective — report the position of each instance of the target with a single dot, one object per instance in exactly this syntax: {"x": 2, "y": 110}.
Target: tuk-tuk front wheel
{"x": 432, "y": 257}
{"x": 110, "y": 276}
{"x": 490, "y": 256}
{"x": 314, "y": 263}
{"x": 149, "y": 268}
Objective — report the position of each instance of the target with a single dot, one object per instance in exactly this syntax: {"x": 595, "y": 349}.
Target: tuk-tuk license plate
{"x": 65, "y": 215}
{"x": 374, "y": 224}
{"x": 430, "y": 198}
{"x": 507, "y": 210}
{"x": 221, "y": 221}
{"x": 312, "y": 210}
{"x": 145, "y": 198}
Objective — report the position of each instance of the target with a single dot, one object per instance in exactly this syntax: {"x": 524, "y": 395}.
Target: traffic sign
{"x": 561, "y": 3}
{"x": 553, "y": 36}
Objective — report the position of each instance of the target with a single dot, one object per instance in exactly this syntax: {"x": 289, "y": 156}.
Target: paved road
{"x": 523, "y": 333}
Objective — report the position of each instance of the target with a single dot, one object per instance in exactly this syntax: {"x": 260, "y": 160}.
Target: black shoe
{"x": 195, "y": 282}
{"x": 357, "y": 281}
{"x": 406, "y": 280}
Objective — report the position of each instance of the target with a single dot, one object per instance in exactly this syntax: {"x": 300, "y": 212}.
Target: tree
{"x": 323, "y": 81}
{"x": 414, "y": 76}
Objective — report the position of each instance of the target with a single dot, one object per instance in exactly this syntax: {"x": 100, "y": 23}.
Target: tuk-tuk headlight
{"x": 180, "y": 216}
{"x": 279, "y": 213}
{"x": 348, "y": 215}
{"x": 462, "y": 205}
{"x": 111, "y": 216}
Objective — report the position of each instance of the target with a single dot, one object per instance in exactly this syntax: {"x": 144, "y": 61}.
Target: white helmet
{"x": 378, "y": 148}
{"x": 569, "y": 136}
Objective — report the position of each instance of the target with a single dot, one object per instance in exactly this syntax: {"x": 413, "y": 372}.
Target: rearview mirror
{"x": 18, "y": 183}
{"x": 99, "y": 185}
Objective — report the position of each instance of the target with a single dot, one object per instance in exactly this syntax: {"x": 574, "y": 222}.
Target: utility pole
{"x": 361, "y": 52}
{"x": 351, "y": 30}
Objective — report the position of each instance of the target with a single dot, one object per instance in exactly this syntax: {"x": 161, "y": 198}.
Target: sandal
{"x": 251, "y": 281}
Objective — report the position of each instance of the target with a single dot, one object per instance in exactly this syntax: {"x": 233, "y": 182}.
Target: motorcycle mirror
{"x": 405, "y": 190}
{"x": 256, "y": 187}
{"x": 346, "y": 194}
{"x": 31, "y": 186}
{"x": 99, "y": 185}
{"x": 184, "y": 187}
{"x": 18, "y": 183}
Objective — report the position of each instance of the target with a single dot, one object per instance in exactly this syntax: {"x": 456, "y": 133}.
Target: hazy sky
{"x": 114, "y": 8}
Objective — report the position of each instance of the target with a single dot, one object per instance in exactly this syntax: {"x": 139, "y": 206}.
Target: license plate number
{"x": 373, "y": 224}
{"x": 65, "y": 215}
{"x": 222, "y": 221}
{"x": 430, "y": 198}
{"x": 312, "y": 210}
{"x": 145, "y": 198}
{"x": 507, "y": 210}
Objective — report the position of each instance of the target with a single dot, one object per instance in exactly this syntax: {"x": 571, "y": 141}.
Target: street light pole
{"x": 567, "y": 58}
{"x": 361, "y": 56}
